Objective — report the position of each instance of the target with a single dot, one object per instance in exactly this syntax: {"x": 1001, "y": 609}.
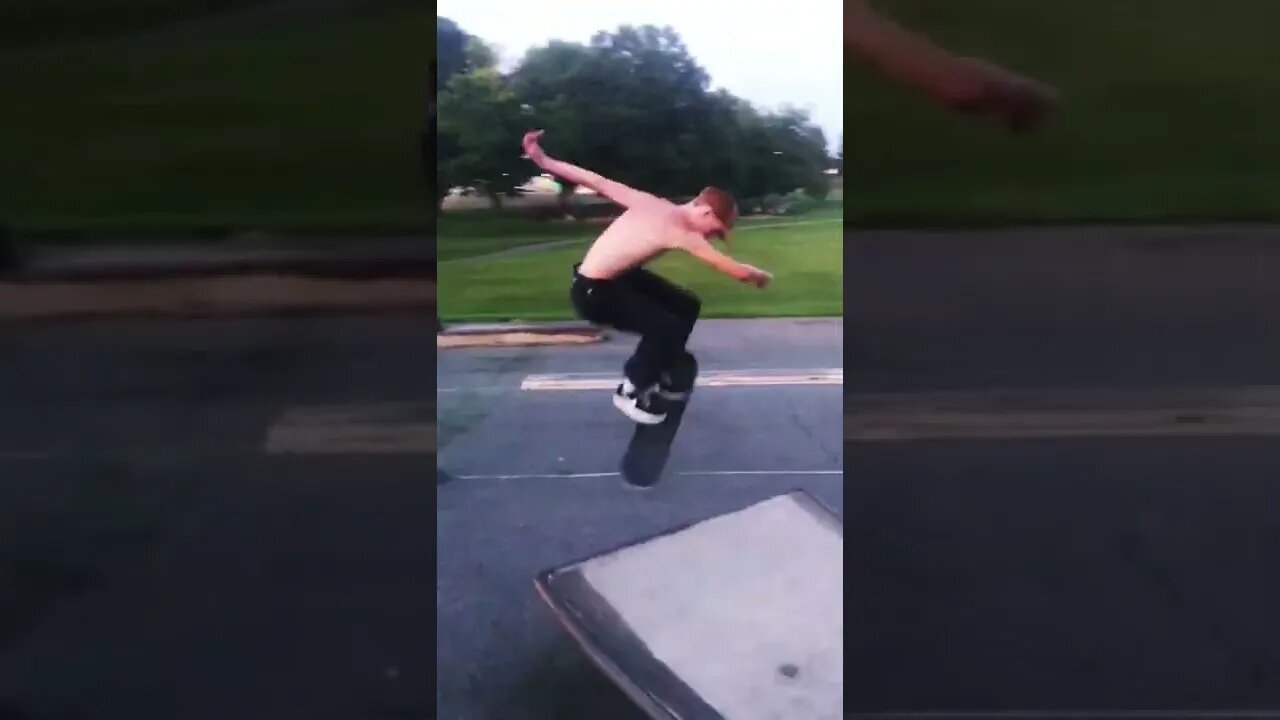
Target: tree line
{"x": 632, "y": 104}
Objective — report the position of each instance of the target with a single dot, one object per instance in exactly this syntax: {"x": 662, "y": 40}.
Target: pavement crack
{"x": 810, "y": 432}
{"x": 1250, "y": 662}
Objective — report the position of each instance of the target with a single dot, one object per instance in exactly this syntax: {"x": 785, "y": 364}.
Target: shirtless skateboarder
{"x": 612, "y": 288}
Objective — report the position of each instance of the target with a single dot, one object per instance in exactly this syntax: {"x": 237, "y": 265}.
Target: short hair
{"x": 721, "y": 203}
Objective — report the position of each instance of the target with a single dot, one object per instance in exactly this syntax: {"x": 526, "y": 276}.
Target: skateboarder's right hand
{"x": 1020, "y": 103}
{"x": 757, "y": 277}
{"x": 532, "y": 150}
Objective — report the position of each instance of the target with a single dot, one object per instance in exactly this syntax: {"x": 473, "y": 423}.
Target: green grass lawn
{"x": 311, "y": 127}
{"x": 464, "y": 240}
{"x": 473, "y": 234}
{"x": 469, "y": 233}
{"x": 1170, "y": 112}
{"x": 805, "y": 254}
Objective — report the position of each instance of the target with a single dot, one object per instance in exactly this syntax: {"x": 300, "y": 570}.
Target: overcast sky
{"x": 771, "y": 55}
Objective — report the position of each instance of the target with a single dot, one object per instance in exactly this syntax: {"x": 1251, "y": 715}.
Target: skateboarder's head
{"x": 713, "y": 212}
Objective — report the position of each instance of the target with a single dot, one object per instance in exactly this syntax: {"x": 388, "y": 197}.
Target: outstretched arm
{"x": 965, "y": 84}
{"x": 615, "y": 191}
{"x": 899, "y": 54}
{"x": 743, "y": 272}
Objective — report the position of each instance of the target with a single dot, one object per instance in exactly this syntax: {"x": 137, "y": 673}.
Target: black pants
{"x": 641, "y": 302}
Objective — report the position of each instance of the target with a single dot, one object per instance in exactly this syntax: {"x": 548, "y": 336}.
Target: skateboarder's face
{"x": 704, "y": 220}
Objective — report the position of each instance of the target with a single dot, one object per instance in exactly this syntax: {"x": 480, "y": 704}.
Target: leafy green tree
{"x": 481, "y": 122}
{"x": 555, "y": 84}
{"x": 632, "y": 104}
{"x": 754, "y": 154}
{"x": 458, "y": 55}
{"x": 451, "y": 51}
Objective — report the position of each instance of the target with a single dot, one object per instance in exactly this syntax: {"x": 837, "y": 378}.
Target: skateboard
{"x": 650, "y": 446}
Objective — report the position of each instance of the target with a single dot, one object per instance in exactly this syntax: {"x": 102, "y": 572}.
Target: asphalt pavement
{"x": 1079, "y": 574}
{"x": 533, "y": 484}
{"x": 1001, "y": 576}
{"x": 227, "y": 518}
{"x": 216, "y": 519}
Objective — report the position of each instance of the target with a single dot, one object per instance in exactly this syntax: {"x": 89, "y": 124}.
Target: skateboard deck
{"x": 650, "y": 446}
{"x": 717, "y": 619}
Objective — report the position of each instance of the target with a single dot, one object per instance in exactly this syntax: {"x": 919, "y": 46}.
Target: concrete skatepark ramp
{"x": 736, "y": 617}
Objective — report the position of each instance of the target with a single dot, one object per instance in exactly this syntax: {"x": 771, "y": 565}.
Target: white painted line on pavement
{"x": 536, "y": 476}
{"x": 395, "y": 428}
{"x": 703, "y": 473}
{"x": 1084, "y": 413}
{"x": 710, "y": 378}
{"x": 714, "y": 473}
{"x": 1026, "y": 426}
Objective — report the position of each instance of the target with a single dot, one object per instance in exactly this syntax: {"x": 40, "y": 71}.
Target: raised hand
{"x": 532, "y": 149}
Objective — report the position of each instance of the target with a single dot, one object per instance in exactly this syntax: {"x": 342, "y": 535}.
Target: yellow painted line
{"x": 377, "y": 429}
{"x": 1012, "y": 415}
{"x": 714, "y": 378}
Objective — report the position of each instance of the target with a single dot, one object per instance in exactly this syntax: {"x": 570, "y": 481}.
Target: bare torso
{"x": 637, "y": 236}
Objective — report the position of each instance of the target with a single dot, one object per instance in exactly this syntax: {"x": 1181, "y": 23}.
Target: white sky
{"x": 771, "y": 55}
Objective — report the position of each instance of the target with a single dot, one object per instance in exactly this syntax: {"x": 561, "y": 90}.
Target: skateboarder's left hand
{"x": 965, "y": 84}
{"x": 758, "y": 277}
{"x": 1020, "y": 103}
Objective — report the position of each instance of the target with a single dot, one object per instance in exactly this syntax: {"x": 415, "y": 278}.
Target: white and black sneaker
{"x": 667, "y": 391}
{"x": 637, "y": 405}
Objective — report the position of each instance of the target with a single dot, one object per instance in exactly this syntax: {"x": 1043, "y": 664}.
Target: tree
{"x": 457, "y": 54}
{"x": 479, "y": 56}
{"x": 632, "y": 104}
{"x": 736, "y": 153}
{"x": 660, "y": 109}
{"x": 451, "y": 51}
{"x": 480, "y": 126}
{"x": 753, "y": 154}
{"x": 553, "y": 82}
{"x": 799, "y": 152}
